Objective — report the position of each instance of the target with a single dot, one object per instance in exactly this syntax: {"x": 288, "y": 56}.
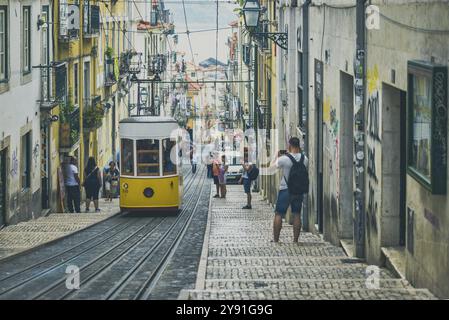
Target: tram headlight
{"x": 148, "y": 192}
{"x": 125, "y": 186}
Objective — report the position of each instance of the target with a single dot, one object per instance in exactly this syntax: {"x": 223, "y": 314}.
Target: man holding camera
{"x": 294, "y": 184}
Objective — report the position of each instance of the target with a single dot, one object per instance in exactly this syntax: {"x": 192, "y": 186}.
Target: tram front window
{"x": 169, "y": 157}
{"x": 127, "y": 158}
{"x": 147, "y": 157}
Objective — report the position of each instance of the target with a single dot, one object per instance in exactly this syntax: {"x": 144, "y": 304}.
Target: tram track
{"x": 51, "y": 283}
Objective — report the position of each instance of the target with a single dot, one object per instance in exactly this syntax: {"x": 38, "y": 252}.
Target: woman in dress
{"x": 92, "y": 183}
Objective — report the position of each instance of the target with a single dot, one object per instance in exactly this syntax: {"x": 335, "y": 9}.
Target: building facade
{"x": 25, "y": 47}
{"x": 368, "y": 99}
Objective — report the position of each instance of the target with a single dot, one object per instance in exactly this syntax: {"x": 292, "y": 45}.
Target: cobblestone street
{"x": 240, "y": 262}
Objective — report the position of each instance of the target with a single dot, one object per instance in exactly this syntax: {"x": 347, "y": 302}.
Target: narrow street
{"x": 239, "y": 262}
{"x": 122, "y": 119}
{"x": 222, "y": 252}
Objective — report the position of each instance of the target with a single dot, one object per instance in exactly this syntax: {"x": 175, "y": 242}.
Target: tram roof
{"x": 148, "y": 119}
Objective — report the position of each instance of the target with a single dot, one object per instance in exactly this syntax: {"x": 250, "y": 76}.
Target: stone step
{"x": 293, "y": 272}
{"x": 303, "y": 294}
{"x": 281, "y": 261}
{"x": 307, "y": 284}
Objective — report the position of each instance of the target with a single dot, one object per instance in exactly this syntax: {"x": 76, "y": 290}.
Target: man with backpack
{"x": 250, "y": 173}
{"x": 294, "y": 184}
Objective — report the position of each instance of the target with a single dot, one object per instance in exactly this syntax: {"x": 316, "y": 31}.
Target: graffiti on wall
{"x": 371, "y": 166}
{"x": 330, "y": 116}
{"x": 14, "y": 164}
{"x": 374, "y": 116}
{"x": 373, "y": 142}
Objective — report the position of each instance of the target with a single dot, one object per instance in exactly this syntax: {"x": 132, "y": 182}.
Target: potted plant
{"x": 93, "y": 118}
{"x": 109, "y": 53}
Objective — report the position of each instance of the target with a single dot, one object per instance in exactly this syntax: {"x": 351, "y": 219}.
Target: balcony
{"x": 69, "y": 129}
{"x": 51, "y": 93}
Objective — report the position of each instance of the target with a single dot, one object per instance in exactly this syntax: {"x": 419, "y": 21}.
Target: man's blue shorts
{"x": 284, "y": 201}
{"x": 247, "y": 185}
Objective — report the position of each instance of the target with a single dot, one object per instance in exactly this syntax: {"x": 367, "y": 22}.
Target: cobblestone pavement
{"x": 29, "y": 234}
{"x": 239, "y": 261}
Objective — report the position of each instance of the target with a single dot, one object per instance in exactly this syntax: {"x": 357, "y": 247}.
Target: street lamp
{"x": 251, "y": 15}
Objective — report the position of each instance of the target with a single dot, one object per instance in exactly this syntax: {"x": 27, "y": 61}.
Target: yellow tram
{"x": 150, "y": 178}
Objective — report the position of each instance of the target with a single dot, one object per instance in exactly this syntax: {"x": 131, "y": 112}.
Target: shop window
{"x": 427, "y": 109}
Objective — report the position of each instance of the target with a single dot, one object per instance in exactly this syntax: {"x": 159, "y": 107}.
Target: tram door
{"x": 2, "y": 187}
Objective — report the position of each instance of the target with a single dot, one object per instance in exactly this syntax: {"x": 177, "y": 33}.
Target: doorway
{"x": 3, "y": 186}
{"x": 346, "y": 171}
{"x": 319, "y": 145}
{"x": 394, "y": 166}
{"x": 45, "y": 167}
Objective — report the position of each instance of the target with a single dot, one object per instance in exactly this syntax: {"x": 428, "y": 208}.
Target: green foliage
{"x": 93, "y": 117}
{"x": 109, "y": 52}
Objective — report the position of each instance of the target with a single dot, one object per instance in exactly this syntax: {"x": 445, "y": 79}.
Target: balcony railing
{"x": 50, "y": 77}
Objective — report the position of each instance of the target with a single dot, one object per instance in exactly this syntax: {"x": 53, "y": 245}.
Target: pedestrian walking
{"x": 222, "y": 176}
{"x": 72, "y": 185}
{"x": 111, "y": 181}
{"x": 92, "y": 183}
{"x": 246, "y": 180}
{"x": 294, "y": 184}
{"x": 216, "y": 173}
{"x": 209, "y": 166}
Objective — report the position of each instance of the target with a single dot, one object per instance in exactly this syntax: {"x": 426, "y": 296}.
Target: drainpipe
{"x": 359, "y": 132}
{"x": 305, "y": 97}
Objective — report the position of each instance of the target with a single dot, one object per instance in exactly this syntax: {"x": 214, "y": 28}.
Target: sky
{"x": 202, "y": 14}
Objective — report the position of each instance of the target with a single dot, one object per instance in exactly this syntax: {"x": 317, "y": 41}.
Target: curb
{"x": 202, "y": 268}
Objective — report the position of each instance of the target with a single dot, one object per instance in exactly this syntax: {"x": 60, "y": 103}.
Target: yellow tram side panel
{"x": 167, "y": 193}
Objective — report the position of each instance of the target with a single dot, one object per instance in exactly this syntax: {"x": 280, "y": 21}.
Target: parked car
{"x": 234, "y": 173}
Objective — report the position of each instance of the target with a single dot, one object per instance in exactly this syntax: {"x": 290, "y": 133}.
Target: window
{"x": 422, "y": 114}
{"x": 3, "y": 43}
{"x": 113, "y": 36}
{"x": 169, "y": 157}
{"x": 86, "y": 82}
{"x": 75, "y": 84}
{"x": 127, "y": 157}
{"x": 147, "y": 157}
{"x": 26, "y": 36}
{"x": 427, "y": 141}
{"x": 25, "y": 160}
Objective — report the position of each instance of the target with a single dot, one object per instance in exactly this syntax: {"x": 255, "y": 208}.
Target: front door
{"x": 3, "y": 187}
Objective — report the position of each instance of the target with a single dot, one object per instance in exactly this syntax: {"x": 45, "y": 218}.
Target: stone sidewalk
{"x": 29, "y": 234}
{"x": 239, "y": 261}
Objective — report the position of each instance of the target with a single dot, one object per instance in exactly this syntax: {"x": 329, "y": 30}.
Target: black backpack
{"x": 253, "y": 173}
{"x": 298, "y": 179}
